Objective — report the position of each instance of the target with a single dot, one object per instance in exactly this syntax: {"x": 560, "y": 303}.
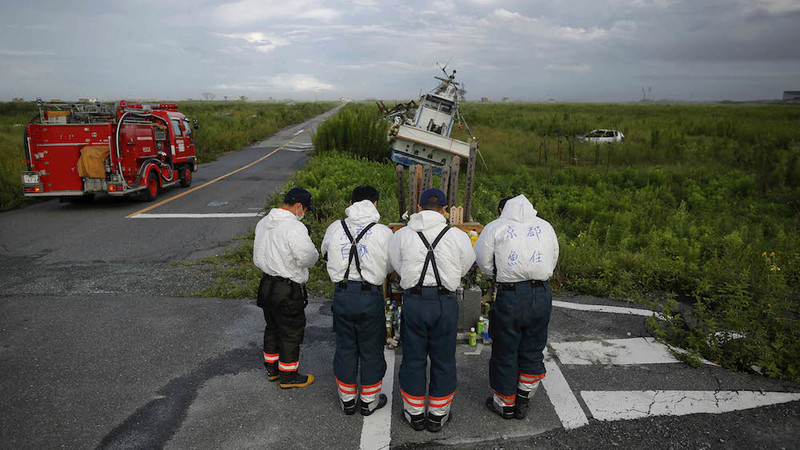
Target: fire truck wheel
{"x": 186, "y": 176}
{"x": 151, "y": 192}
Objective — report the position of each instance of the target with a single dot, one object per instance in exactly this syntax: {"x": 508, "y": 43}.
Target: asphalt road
{"x": 96, "y": 351}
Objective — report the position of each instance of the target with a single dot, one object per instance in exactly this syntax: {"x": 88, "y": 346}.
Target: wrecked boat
{"x": 420, "y": 132}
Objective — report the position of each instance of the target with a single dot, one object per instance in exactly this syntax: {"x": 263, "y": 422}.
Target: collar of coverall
{"x": 425, "y": 220}
{"x": 362, "y": 213}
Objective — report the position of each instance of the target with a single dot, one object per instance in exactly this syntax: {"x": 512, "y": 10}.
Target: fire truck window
{"x": 188, "y": 128}
{"x": 176, "y": 128}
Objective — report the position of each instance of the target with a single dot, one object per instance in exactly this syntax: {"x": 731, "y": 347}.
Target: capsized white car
{"x": 602, "y": 136}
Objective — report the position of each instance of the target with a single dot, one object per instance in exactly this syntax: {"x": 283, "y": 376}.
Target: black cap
{"x": 431, "y": 197}
{"x": 298, "y": 195}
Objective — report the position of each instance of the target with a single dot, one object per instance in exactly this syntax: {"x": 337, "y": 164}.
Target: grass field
{"x": 224, "y": 127}
{"x": 699, "y": 207}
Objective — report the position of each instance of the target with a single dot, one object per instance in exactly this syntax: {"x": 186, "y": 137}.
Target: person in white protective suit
{"x": 430, "y": 258}
{"x": 521, "y": 249}
{"x": 357, "y": 251}
{"x": 284, "y": 251}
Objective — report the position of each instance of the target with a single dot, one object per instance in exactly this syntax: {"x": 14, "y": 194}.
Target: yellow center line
{"x": 221, "y": 177}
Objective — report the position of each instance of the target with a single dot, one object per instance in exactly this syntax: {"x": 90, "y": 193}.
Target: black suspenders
{"x": 429, "y": 258}
{"x": 354, "y": 250}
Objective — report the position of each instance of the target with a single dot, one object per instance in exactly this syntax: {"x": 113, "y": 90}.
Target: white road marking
{"x": 561, "y": 396}
{"x": 623, "y": 405}
{"x": 301, "y": 130}
{"x": 376, "y": 433}
{"x": 477, "y": 350}
{"x": 620, "y": 352}
{"x": 605, "y": 309}
{"x": 195, "y": 216}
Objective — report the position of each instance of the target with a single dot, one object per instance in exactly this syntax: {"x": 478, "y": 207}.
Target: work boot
{"x": 521, "y": 407}
{"x": 349, "y": 407}
{"x": 506, "y": 412}
{"x": 295, "y": 379}
{"x": 417, "y": 421}
{"x": 272, "y": 371}
{"x": 371, "y": 407}
{"x": 436, "y": 422}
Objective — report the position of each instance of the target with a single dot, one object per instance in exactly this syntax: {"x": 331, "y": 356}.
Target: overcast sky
{"x": 567, "y": 50}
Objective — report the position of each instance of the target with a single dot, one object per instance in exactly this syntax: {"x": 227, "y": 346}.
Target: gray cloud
{"x": 523, "y": 49}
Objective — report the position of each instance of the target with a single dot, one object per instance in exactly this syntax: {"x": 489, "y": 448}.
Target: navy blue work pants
{"x": 358, "y": 321}
{"x": 429, "y": 329}
{"x": 518, "y": 327}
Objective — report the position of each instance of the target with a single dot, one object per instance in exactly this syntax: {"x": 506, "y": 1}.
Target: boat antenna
{"x": 444, "y": 69}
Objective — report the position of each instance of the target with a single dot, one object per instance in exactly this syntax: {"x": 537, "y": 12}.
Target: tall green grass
{"x": 13, "y": 119}
{"x": 355, "y": 130}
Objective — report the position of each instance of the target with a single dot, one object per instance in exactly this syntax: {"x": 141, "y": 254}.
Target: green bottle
{"x": 473, "y": 337}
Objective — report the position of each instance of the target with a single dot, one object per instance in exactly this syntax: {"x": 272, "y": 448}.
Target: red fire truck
{"x": 81, "y": 150}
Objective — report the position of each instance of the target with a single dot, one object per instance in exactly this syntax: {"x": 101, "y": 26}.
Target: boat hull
{"x": 414, "y": 145}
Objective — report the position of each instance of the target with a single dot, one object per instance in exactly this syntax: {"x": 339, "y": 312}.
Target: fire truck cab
{"x": 82, "y": 150}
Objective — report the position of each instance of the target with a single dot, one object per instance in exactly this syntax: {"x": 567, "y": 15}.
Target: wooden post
{"x": 427, "y": 177}
{"x": 544, "y": 141}
{"x": 558, "y": 150}
{"x": 452, "y": 191}
{"x": 572, "y": 151}
{"x": 401, "y": 188}
{"x": 596, "y": 155}
{"x": 419, "y": 180}
{"x": 413, "y": 197}
{"x": 445, "y": 182}
{"x": 473, "y": 155}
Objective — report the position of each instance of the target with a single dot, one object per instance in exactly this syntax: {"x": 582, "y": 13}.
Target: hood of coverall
{"x": 519, "y": 209}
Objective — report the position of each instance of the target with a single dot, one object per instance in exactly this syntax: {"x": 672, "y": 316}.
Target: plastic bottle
{"x": 473, "y": 337}
{"x": 388, "y": 325}
{"x": 481, "y": 325}
{"x": 486, "y": 338}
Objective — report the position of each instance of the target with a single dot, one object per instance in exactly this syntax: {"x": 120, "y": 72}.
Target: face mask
{"x": 302, "y": 213}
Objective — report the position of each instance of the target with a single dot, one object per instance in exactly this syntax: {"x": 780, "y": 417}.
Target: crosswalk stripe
{"x": 561, "y": 396}
{"x": 376, "y": 432}
{"x": 620, "y": 352}
{"x": 604, "y": 308}
{"x": 623, "y": 405}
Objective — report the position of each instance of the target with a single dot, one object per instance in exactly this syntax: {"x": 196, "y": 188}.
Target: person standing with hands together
{"x": 430, "y": 258}
{"x": 283, "y": 251}
{"x": 356, "y": 249}
{"x": 521, "y": 249}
